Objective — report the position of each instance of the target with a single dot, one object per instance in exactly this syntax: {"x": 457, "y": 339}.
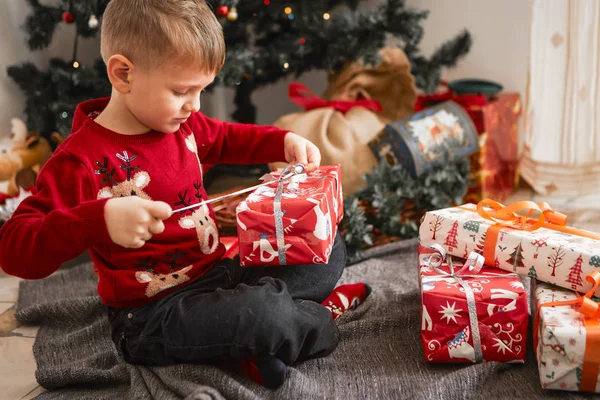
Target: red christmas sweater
{"x": 66, "y": 215}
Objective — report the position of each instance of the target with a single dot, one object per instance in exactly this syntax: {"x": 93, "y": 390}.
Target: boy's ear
{"x": 119, "y": 70}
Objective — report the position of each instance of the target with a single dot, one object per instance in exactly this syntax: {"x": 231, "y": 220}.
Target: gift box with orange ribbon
{"x": 567, "y": 337}
{"x": 494, "y": 168}
{"x": 470, "y": 313}
{"x": 524, "y": 237}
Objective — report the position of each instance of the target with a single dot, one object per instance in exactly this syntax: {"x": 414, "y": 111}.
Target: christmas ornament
{"x": 93, "y": 22}
{"x": 302, "y": 41}
{"x": 67, "y": 17}
{"x": 233, "y": 14}
{"x": 222, "y": 11}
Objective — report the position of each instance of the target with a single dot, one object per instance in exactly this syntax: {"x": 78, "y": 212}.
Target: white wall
{"x": 500, "y": 31}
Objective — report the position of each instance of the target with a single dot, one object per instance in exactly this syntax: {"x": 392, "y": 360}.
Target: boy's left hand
{"x": 299, "y": 150}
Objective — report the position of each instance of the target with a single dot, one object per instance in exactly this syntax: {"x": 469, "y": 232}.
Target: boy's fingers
{"x": 156, "y": 226}
{"x": 314, "y": 155}
{"x": 137, "y": 243}
{"x": 160, "y": 210}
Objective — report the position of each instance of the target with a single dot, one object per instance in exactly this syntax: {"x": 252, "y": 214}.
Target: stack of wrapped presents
{"x": 475, "y": 306}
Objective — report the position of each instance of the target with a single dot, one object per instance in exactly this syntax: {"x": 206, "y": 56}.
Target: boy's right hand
{"x": 131, "y": 221}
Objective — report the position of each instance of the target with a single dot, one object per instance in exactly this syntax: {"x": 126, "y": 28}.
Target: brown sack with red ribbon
{"x": 357, "y": 110}
{"x": 389, "y": 82}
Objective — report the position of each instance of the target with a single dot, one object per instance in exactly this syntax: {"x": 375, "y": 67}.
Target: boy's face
{"x": 162, "y": 99}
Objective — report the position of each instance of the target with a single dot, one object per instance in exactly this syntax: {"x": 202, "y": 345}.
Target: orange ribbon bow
{"x": 512, "y": 217}
{"x": 591, "y": 310}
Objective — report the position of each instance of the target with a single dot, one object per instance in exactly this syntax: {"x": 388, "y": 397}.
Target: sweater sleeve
{"x": 233, "y": 143}
{"x": 56, "y": 224}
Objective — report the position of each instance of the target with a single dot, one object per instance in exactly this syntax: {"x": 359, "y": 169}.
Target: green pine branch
{"x": 391, "y": 190}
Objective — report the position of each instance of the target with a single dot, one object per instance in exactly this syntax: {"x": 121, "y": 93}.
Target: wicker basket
{"x": 225, "y": 211}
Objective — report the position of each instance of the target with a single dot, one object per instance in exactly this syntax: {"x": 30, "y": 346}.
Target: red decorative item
{"x": 500, "y": 305}
{"x": 222, "y": 11}
{"x": 494, "y": 169}
{"x": 67, "y": 17}
{"x": 312, "y": 206}
{"x": 302, "y": 41}
{"x": 306, "y": 99}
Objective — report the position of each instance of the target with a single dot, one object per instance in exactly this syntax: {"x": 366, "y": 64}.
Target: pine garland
{"x": 393, "y": 202}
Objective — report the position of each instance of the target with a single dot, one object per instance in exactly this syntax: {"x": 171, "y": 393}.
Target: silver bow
{"x": 473, "y": 264}
{"x": 287, "y": 173}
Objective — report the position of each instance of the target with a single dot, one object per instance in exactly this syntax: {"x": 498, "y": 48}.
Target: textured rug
{"x": 379, "y": 355}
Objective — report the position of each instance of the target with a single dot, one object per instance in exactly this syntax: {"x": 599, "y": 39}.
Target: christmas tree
{"x": 555, "y": 259}
{"x": 451, "y": 241}
{"x": 294, "y": 36}
{"x": 516, "y": 257}
{"x": 53, "y": 94}
{"x": 575, "y": 271}
{"x": 472, "y": 226}
{"x": 532, "y": 272}
{"x": 287, "y": 38}
{"x": 481, "y": 244}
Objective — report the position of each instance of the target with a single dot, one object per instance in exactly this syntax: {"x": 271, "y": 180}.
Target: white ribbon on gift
{"x": 288, "y": 175}
{"x": 294, "y": 180}
{"x": 474, "y": 264}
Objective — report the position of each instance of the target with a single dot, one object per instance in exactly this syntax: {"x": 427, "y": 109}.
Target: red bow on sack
{"x": 306, "y": 99}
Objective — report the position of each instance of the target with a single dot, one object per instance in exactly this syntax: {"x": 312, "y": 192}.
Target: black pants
{"x": 233, "y": 312}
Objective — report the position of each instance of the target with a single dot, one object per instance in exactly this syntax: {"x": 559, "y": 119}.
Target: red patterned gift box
{"x": 473, "y": 314}
{"x": 291, "y": 221}
{"x": 542, "y": 245}
{"x": 494, "y": 168}
{"x": 566, "y": 337}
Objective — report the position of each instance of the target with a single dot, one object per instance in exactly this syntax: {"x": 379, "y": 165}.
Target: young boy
{"x": 133, "y": 158}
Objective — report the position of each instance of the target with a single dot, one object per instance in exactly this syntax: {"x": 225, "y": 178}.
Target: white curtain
{"x": 562, "y": 119}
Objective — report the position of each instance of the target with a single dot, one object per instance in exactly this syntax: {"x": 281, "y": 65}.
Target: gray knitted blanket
{"x": 379, "y": 355}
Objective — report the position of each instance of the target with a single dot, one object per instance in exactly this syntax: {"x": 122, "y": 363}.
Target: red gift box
{"x": 311, "y": 208}
{"x": 494, "y": 169}
{"x": 470, "y": 315}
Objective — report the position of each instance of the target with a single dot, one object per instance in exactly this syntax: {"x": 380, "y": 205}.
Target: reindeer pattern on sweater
{"x": 123, "y": 176}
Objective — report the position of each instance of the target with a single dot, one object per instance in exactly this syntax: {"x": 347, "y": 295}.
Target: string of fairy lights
{"x": 232, "y": 14}
{"x": 222, "y": 11}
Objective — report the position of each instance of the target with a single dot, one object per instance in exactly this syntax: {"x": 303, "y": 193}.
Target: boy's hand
{"x": 131, "y": 221}
{"x": 301, "y": 151}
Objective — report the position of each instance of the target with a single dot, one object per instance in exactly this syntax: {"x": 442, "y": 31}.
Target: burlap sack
{"x": 390, "y": 83}
{"x": 342, "y": 136}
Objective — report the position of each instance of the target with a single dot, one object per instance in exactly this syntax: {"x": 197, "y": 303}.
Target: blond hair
{"x": 151, "y": 32}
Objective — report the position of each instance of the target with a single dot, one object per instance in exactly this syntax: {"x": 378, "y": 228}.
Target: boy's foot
{"x": 346, "y": 297}
{"x": 269, "y": 372}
